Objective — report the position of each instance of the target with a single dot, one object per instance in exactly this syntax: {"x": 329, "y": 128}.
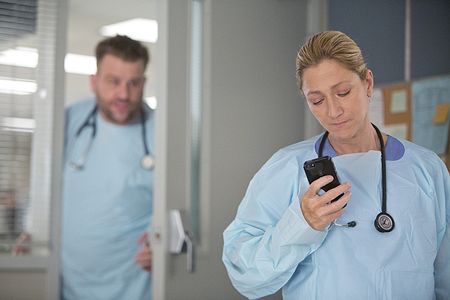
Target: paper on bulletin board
{"x": 397, "y": 130}
{"x": 376, "y": 116}
{"x": 427, "y": 96}
{"x": 376, "y": 108}
{"x": 397, "y": 106}
{"x": 399, "y": 102}
{"x": 441, "y": 113}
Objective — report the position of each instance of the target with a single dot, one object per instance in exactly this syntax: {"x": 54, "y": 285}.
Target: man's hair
{"x": 123, "y": 47}
{"x": 330, "y": 45}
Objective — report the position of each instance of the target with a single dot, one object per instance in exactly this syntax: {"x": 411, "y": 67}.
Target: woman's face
{"x": 338, "y": 98}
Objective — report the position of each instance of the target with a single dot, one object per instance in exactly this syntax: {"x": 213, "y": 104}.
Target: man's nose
{"x": 123, "y": 90}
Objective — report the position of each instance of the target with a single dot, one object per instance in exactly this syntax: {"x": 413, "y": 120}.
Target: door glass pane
{"x": 27, "y": 66}
{"x": 196, "y": 112}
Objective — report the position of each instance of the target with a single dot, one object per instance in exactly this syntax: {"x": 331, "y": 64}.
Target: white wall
{"x": 23, "y": 285}
{"x": 251, "y": 109}
{"x": 255, "y": 106}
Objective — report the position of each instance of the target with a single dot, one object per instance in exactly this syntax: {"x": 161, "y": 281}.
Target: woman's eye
{"x": 317, "y": 101}
{"x": 343, "y": 94}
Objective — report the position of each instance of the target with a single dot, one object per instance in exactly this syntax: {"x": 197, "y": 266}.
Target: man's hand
{"x": 22, "y": 244}
{"x": 144, "y": 253}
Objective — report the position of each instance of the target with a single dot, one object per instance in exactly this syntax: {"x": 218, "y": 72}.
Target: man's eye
{"x": 113, "y": 81}
{"x": 135, "y": 83}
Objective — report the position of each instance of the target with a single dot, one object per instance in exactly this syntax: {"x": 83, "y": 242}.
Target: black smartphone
{"x": 319, "y": 167}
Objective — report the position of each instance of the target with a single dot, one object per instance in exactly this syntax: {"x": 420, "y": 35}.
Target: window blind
{"x": 17, "y": 17}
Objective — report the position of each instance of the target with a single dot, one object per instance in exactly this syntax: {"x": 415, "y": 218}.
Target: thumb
{"x": 142, "y": 238}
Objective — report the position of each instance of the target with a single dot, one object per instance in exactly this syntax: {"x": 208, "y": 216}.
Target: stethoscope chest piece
{"x": 384, "y": 222}
{"x": 148, "y": 162}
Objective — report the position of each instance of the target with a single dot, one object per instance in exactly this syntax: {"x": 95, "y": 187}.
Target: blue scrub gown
{"x": 106, "y": 206}
{"x": 269, "y": 245}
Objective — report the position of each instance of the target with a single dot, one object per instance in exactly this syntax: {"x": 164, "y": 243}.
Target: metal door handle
{"x": 189, "y": 252}
{"x": 181, "y": 238}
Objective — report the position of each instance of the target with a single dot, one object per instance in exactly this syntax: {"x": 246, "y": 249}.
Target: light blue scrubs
{"x": 106, "y": 207}
{"x": 269, "y": 245}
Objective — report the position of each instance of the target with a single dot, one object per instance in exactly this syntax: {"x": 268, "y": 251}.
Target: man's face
{"x": 118, "y": 86}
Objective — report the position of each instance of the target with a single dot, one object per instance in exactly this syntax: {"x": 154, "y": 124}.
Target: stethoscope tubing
{"x": 147, "y": 161}
{"x": 90, "y": 121}
{"x": 144, "y": 133}
{"x": 383, "y": 222}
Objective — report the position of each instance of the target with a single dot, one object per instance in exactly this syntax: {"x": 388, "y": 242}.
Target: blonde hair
{"x": 330, "y": 45}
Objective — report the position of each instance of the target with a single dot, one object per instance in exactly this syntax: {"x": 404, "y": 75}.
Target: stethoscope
{"x": 383, "y": 222}
{"x": 147, "y": 162}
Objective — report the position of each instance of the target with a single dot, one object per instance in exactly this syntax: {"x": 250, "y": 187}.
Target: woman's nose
{"x": 334, "y": 108}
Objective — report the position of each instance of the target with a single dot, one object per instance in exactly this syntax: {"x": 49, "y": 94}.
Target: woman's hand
{"x": 318, "y": 211}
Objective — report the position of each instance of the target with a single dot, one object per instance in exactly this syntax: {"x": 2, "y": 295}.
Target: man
{"x": 108, "y": 174}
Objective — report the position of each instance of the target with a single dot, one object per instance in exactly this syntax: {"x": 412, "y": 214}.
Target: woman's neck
{"x": 363, "y": 141}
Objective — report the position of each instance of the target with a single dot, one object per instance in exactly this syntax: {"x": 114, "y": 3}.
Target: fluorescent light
{"x": 20, "y": 56}
{"x": 80, "y": 64}
{"x": 143, "y": 30}
{"x": 152, "y": 102}
{"x": 17, "y": 87}
{"x": 28, "y": 57}
{"x": 18, "y": 124}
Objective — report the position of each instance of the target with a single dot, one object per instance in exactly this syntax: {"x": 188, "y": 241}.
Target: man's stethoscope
{"x": 383, "y": 222}
{"x": 147, "y": 162}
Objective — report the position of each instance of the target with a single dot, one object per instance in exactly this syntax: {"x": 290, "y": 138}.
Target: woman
{"x": 288, "y": 235}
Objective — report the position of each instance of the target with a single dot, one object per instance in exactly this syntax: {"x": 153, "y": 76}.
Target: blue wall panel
{"x": 430, "y": 38}
{"x": 378, "y": 28}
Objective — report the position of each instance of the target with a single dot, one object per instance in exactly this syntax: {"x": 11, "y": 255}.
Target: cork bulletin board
{"x": 397, "y": 106}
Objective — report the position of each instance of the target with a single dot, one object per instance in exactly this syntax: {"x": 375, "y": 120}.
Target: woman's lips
{"x": 339, "y": 124}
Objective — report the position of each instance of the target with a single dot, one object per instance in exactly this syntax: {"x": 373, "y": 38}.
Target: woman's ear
{"x": 369, "y": 81}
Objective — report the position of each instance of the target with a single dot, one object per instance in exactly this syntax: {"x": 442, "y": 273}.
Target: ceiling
{"x": 86, "y": 17}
